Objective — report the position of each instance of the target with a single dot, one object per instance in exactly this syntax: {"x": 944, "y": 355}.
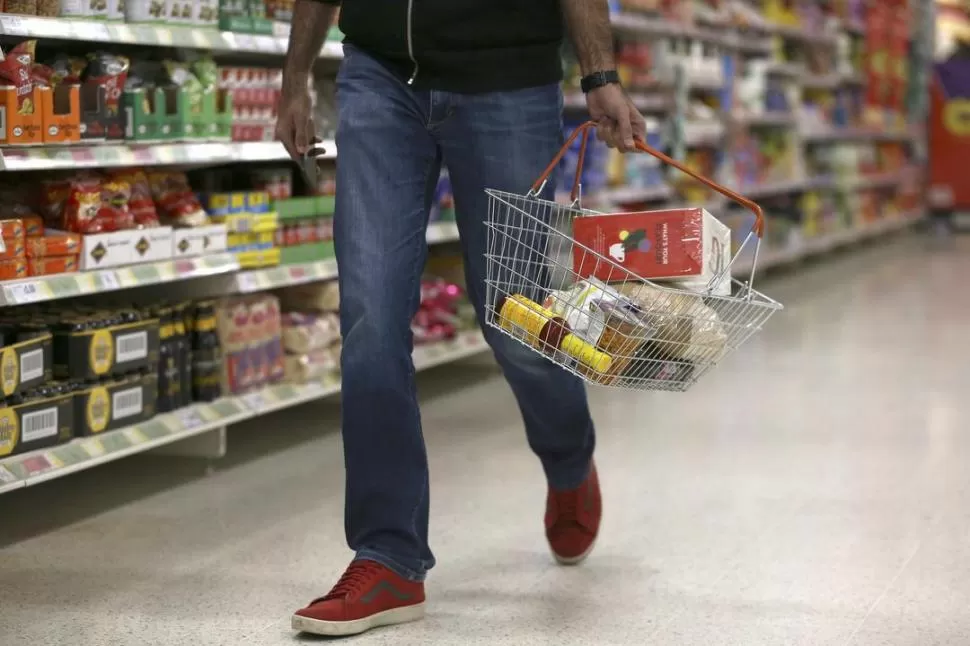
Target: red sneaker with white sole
{"x": 368, "y": 595}
{"x": 573, "y": 519}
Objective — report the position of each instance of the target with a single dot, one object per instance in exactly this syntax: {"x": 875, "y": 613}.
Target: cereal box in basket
{"x": 685, "y": 247}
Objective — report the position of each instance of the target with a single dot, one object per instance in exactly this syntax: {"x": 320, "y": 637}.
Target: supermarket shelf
{"x": 58, "y": 286}
{"x": 773, "y": 258}
{"x": 14, "y": 158}
{"x": 772, "y": 188}
{"x": 191, "y": 37}
{"x": 773, "y": 118}
{"x": 703, "y": 133}
{"x": 656, "y": 26}
{"x": 882, "y": 180}
{"x": 47, "y": 464}
{"x": 818, "y": 135}
{"x": 806, "y": 36}
{"x": 257, "y": 280}
{"x": 631, "y": 194}
{"x": 644, "y": 101}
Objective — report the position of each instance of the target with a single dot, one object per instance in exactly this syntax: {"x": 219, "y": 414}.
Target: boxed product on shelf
{"x": 19, "y": 101}
{"x": 92, "y": 344}
{"x": 689, "y": 247}
{"x": 26, "y": 358}
{"x": 46, "y": 419}
{"x": 114, "y": 404}
{"x": 250, "y": 337}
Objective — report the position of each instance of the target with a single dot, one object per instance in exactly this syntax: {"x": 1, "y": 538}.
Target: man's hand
{"x": 294, "y": 122}
{"x": 617, "y": 119}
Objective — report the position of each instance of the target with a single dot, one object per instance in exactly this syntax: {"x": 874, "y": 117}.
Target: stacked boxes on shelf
{"x": 251, "y": 225}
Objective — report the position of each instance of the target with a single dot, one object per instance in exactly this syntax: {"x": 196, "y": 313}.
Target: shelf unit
{"x": 665, "y": 99}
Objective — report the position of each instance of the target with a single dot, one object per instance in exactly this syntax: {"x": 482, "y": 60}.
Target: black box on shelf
{"x": 36, "y": 424}
{"x": 116, "y": 404}
{"x": 25, "y": 365}
{"x": 118, "y": 349}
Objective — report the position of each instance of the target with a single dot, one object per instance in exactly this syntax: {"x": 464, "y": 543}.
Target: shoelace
{"x": 358, "y": 574}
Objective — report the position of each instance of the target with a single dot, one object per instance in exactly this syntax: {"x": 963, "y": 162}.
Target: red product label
{"x": 650, "y": 244}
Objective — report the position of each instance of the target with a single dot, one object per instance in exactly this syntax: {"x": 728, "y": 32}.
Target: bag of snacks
{"x": 140, "y": 202}
{"x": 176, "y": 200}
{"x": 110, "y": 71}
{"x": 15, "y": 71}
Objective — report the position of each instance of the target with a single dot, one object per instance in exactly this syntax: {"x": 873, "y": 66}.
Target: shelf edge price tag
{"x": 13, "y": 25}
{"x": 28, "y": 292}
{"x": 248, "y": 282}
{"x": 254, "y": 401}
{"x": 108, "y": 280}
{"x": 189, "y": 418}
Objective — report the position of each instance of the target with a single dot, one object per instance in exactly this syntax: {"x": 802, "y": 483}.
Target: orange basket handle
{"x": 584, "y": 129}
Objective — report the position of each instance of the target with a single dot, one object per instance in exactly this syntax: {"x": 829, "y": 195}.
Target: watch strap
{"x": 599, "y": 79}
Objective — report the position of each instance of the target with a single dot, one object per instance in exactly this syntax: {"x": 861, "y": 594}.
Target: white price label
{"x": 245, "y": 42}
{"x": 108, "y": 280}
{"x": 254, "y": 401}
{"x": 13, "y": 26}
{"x": 190, "y": 418}
{"x": 21, "y": 293}
{"x": 247, "y": 282}
{"x": 84, "y": 30}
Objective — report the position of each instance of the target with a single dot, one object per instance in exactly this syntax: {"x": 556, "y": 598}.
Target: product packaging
{"x": 37, "y": 423}
{"x": 688, "y": 245}
{"x": 115, "y": 404}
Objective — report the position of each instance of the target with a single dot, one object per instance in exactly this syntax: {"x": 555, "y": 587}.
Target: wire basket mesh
{"x": 617, "y": 329}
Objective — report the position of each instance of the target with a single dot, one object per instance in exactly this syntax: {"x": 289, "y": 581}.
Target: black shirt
{"x": 467, "y": 46}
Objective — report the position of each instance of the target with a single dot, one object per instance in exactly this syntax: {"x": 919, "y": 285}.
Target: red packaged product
{"x": 12, "y": 228}
{"x": 176, "y": 200}
{"x": 114, "y": 213}
{"x": 15, "y": 69}
{"x": 140, "y": 202}
{"x": 651, "y": 244}
{"x": 82, "y": 208}
{"x": 54, "y": 243}
{"x": 52, "y": 265}
{"x": 13, "y": 269}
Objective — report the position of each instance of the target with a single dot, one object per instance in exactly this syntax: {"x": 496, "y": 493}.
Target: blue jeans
{"x": 392, "y": 141}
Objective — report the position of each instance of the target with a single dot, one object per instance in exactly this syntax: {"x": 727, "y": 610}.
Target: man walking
{"x": 473, "y": 84}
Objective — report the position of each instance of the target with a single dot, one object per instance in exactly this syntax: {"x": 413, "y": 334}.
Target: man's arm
{"x": 308, "y": 31}
{"x": 618, "y": 121}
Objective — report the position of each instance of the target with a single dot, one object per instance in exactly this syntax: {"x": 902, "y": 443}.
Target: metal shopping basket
{"x": 606, "y": 324}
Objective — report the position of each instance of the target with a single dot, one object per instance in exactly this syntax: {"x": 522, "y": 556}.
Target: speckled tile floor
{"x": 813, "y": 490}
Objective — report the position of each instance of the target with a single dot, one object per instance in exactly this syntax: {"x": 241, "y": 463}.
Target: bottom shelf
{"x": 772, "y": 258}
{"x": 83, "y": 453}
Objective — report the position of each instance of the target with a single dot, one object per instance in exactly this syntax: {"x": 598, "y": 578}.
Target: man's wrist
{"x": 599, "y": 79}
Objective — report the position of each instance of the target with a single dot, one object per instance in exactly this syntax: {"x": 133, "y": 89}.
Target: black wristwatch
{"x": 599, "y": 79}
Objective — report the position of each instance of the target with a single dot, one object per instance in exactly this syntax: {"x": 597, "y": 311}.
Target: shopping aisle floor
{"x": 813, "y": 490}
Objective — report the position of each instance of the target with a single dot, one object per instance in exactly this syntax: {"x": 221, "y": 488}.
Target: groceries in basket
{"x": 686, "y": 247}
{"x": 648, "y": 332}
{"x": 543, "y": 330}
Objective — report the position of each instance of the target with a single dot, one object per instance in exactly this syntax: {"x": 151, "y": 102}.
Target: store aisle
{"x": 813, "y": 490}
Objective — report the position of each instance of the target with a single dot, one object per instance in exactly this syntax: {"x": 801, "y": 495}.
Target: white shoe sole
{"x": 574, "y": 560}
{"x": 345, "y": 628}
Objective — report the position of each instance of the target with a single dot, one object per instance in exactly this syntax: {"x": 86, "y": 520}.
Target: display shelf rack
{"x": 83, "y": 453}
{"x": 257, "y": 280}
{"x": 815, "y": 246}
{"x": 13, "y": 158}
{"x": 59, "y": 286}
{"x": 818, "y": 134}
{"x": 775, "y": 118}
{"x": 188, "y": 37}
{"x": 631, "y": 194}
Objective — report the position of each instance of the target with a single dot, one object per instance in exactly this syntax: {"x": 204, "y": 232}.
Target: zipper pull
{"x": 414, "y": 74}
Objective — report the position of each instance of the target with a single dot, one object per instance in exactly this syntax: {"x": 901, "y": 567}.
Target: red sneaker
{"x": 573, "y": 520}
{"x": 368, "y": 595}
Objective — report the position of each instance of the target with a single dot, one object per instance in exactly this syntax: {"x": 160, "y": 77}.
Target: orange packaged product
{"x": 13, "y": 269}
{"x": 13, "y": 228}
{"x": 33, "y": 225}
{"x": 54, "y": 243}
{"x": 13, "y": 247}
{"x": 53, "y": 265}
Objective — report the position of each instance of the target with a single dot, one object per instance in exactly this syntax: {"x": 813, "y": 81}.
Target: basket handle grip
{"x": 584, "y": 129}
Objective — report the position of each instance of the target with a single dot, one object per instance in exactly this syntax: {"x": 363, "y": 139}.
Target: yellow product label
{"x": 519, "y": 312}
{"x": 9, "y": 371}
{"x": 98, "y": 411}
{"x": 9, "y": 431}
{"x": 586, "y": 353}
{"x": 237, "y": 202}
{"x": 101, "y": 352}
{"x": 956, "y": 117}
{"x": 218, "y": 202}
{"x": 257, "y": 200}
